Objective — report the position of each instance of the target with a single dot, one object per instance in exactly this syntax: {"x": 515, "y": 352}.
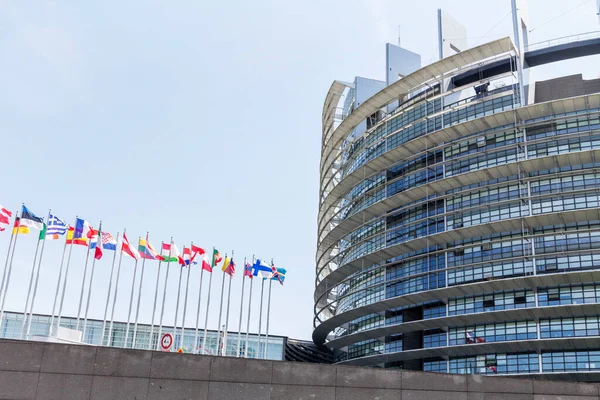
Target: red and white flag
{"x": 128, "y": 248}
{"x": 4, "y": 218}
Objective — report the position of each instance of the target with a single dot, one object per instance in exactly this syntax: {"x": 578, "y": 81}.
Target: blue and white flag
{"x": 56, "y": 226}
{"x": 262, "y": 269}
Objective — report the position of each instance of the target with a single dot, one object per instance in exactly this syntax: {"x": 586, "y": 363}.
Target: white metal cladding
{"x": 530, "y": 165}
{"x": 532, "y": 313}
{"x": 442, "y": 138}
{"x": 330, "y": 147}
{"x": 515, "y": 346}
{"x": 442, "y": 294}
{"x": 433, "y": 140}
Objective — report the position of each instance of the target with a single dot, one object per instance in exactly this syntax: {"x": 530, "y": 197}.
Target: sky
{"x": 200, "y": 120}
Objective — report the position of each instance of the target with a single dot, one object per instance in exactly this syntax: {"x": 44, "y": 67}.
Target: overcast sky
{"x": 201, "y": 120}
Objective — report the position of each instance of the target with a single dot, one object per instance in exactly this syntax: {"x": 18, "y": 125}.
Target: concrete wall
{"x": 33, "y": 370}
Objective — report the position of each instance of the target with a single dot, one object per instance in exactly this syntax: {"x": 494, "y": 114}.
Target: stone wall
{"x": 42, "y": 371}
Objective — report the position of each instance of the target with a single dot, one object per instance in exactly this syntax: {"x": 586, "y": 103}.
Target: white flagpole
{"x": 139, "y": 300}
{"x": 33, "y": 268}
{"x": 12, "y": 256}
{"x": 12, "y": 235}
{"x": 268, "y": 314}
{"x": 221, "y": 311}
{"x": 35, "y": 285}
{"x": 162, "y": 311}
{"x": 198, "y": 310}
{"x": 62, "y": 296}
{"x": 262, "y": 290}
{"x": 131, "y": 302}
{"x": 239, "y": 342}
{"x": 249, "y": 310}
{"x": 112, "y": 270}
{"x": 185, "y": 297}
{"x": 227, "y": 312}
{"x": 156, "y": 299}
{"x": 212, "y": 266}
{"x": 112, "y": 313}
{"x": 62, "y": 264}
{"x": 177, "y": 303}
{"x": 87, "y": 257}
{"x": 87, "y": 305}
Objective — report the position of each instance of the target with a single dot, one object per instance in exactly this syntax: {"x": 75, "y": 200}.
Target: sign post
{"x": 166, "y": 341}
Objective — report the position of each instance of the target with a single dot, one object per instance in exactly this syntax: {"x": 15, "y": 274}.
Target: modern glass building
{"x": 40, "y": 329}
{"x": 459, "y": 213}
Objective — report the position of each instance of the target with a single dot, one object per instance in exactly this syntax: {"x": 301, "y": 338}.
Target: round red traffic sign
{"x": 166, "y": 341}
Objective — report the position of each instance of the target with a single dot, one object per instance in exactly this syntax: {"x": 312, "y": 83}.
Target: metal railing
{"x": 563, "y": 40}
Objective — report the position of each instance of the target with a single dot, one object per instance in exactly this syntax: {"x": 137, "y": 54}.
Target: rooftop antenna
{"x": 399, "y": 39}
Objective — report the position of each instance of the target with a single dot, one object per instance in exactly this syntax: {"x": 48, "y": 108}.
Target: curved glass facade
{"x": 459, "y": 222}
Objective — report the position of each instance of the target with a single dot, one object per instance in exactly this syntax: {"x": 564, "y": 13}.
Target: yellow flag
{"x": 225, "y": 263}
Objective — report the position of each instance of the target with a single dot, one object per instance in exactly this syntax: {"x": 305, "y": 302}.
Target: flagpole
{"x": 33, "y": 269}
{"x": 112, "y": 270}
{"x": 12, "y": 235}
{"x": 62, "y": 297}
{"x": 87, "y": 258}
{"x": 268, "y": 315}
{"x": 262, "y": 289}
{"x": 112, "y": 313}
{"x": 130, "y": 303}
{"x": 198, "y": 310}
{"x": 37, "y": 278}
{"x": 139, "y": 300}
{"x": 227, "y": 312}
{"x": 249, "y": 310}
{"x": 62, "y": 264}
{"x": 177, "y": 303}
{"x": 12, "y": 256}
{"x": 239, "y": 343}
{"x": 185, "y": 298}
{"x": 208, "y": 302}
{"x": 221, "y": 311}
{"x": 155, "y": 299}
{"x": 162, "y": 311}
{"x": 87, "y": 306}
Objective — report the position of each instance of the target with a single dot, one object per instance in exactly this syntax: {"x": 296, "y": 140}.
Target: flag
{"x": 228, "y": 266}
{"x": 70, "y": 233}
{"x": 217, "y": 258}
{"x": 206, "y": 263}
{"x": 225, "y": 262}
{"x": 170, "y": 250}
{"x": 128, "y": 248}
{"x": 248, "y": 270}
{"x": 262, "y": 269}
{"x": 147, "y": 251}
{"x": 278, "y": 274}
{"x": 108, "y": 241}
{"x": 469, "y": 338}
{"x": 187, "y": 257}
{"x": 18, "y": 229}
{"x": 56, "y": 228}
{"x": 98, "y": 252}
{"x": 31, "y": 220}
{"x": 83, "y": 232}
{"x": 4, "y": 217}
{"x": 43, "y": 233}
